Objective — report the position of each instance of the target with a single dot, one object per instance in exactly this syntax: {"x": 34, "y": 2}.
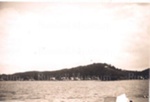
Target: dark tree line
{"x": 95, "y": 71}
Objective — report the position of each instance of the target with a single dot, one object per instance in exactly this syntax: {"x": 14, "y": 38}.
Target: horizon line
{"x": 75, "y": 67}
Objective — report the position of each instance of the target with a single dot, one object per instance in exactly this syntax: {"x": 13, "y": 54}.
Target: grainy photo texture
{"x": 74, "y": 52}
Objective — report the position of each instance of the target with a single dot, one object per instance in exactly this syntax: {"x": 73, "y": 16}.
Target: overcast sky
{"x": 52, "y": 36}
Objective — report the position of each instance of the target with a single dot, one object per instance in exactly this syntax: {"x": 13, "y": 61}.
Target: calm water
{"x": 72, "y": 91}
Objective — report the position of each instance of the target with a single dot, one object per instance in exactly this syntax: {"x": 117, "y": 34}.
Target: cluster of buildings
{"x": 67, "y": 78}
{"x": 50, "y": 78}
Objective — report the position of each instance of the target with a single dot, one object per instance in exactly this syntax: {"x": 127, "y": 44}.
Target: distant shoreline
{"x": 95, "y": 71}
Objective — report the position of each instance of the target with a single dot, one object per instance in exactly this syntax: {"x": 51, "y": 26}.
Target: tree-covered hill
{"x": 95, "y": 71}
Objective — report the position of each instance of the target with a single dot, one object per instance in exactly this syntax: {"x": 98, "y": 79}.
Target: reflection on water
{"x": 72, "y": 91}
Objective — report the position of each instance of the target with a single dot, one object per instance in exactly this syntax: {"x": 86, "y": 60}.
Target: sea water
{"x": 72, "y": 91}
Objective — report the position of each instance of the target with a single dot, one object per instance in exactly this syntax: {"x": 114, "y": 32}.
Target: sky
{"x": 52, "y": 36}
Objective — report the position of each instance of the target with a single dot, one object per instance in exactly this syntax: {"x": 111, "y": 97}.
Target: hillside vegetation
{"x": 95, "y": 71}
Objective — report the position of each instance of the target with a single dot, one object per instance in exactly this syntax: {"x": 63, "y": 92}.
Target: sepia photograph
{"x": 74, "y": 52}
